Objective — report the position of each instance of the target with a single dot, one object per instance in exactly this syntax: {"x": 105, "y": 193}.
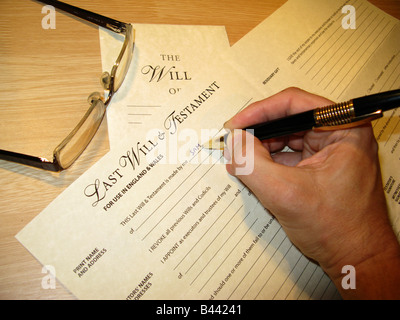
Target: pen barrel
{"x": 380, "y": 101}
{"x": 336, "y": 116}
{"x": 284, "y": 126}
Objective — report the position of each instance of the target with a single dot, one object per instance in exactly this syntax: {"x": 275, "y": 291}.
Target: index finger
{"x": 287, "y": 102}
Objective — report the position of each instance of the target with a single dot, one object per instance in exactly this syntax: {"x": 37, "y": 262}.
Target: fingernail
{"x": 227, "y": 124}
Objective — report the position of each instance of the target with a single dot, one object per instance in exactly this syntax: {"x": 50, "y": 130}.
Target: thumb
{"x": 251, "y": 162}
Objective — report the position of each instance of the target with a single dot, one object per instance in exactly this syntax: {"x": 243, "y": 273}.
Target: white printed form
{"x": 166, "y": 57}
{"x": 159, "y": 217}
{"x": 351, "y": 49}
{"x": 383, "y": 73}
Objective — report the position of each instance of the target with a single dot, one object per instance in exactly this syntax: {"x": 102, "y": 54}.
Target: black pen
{"x": 343, "y": 115}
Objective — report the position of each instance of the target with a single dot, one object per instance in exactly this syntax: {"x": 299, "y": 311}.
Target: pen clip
{"x": 354, "y": 122}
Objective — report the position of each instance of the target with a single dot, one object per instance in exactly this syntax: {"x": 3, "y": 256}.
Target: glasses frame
{"x": 95, "y": 99}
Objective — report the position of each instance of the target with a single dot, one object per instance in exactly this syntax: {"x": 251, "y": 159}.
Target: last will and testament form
{"x": 164, "y": 62}
{"x": 159, "y": 218}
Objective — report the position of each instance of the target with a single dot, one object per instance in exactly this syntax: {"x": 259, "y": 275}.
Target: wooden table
{"x": 46, "y": 76}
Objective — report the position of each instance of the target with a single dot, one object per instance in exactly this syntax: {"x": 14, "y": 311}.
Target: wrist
{"x": 371, "y": 272}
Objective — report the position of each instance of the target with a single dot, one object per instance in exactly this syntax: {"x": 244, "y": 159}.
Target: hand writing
{"x": 327, "y": 194}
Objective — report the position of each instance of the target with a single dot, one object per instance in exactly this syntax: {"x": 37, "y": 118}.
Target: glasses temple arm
{"x": 32, "y": 161}
{"x": 111, "y": 24}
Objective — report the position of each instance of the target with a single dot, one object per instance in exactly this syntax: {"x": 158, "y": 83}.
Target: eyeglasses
{"x": 79, "y": 138}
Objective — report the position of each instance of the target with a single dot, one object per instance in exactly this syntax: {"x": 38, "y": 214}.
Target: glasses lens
{"x": 125, "y": 58}
{"x": 72, "y": 146}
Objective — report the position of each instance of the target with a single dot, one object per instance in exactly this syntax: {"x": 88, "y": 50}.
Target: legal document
{"x": 165, "y": 59}
{"x": 330, "y": 58}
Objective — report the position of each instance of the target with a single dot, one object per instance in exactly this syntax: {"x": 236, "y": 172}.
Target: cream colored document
{"x": 159, "y": 217}
{"x": 329, "y": 58}
{"x": 383, "y": 73}
{"x": 165, "y": 60}
{"x": 146, "y": 222}
{"x": 156, "y": 220}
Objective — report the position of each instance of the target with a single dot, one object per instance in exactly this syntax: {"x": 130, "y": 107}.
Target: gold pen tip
{"x": 215, "y": 144}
